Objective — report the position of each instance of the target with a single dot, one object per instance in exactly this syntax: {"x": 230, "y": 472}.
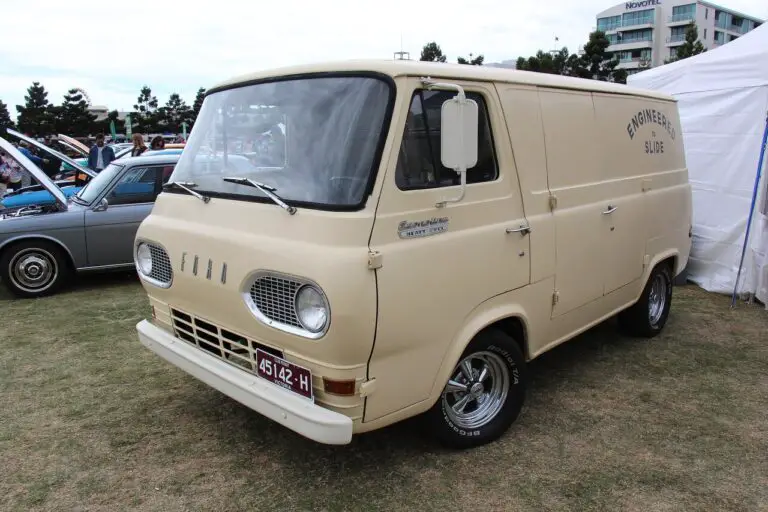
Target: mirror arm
{"x": 462, "y": 190}
{"x": 461, "y": 98}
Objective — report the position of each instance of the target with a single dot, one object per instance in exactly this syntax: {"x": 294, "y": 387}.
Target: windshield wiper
{"x": 186, "y": 187}
{"x": 265, "y": 189}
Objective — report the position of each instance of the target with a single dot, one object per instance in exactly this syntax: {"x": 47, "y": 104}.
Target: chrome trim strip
{"x": 106, "y": 267}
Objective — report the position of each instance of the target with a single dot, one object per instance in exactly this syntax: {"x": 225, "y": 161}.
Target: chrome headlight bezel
{"x": 147, "y": 277}
{"x": 292, "y": 325}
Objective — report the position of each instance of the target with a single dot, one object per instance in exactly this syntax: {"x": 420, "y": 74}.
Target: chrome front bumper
{"x": 277, "y": 404}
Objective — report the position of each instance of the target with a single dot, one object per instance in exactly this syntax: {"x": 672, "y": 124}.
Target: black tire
{"x": 505, "y": 368}
{"x": 646, "y": 318}
{"x": 34, "y": 268}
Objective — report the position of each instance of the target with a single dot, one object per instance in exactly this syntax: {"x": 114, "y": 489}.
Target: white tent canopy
{"x": 723, "y": 101}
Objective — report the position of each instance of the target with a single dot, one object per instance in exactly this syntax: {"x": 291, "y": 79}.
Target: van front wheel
{"x": 484, "y": 394}
{"x": 649, "y": 315}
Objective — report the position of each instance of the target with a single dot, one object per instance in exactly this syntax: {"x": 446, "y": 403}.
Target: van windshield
{"x": 315, "y": 141}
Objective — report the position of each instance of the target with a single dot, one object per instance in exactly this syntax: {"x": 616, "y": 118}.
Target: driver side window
{"x": 138, "y": 185}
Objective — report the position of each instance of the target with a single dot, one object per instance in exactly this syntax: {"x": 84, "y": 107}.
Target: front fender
{"x": 533, "y": 318}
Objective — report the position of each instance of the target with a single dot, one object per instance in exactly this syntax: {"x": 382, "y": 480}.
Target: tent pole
{"x": 751, "y": 209}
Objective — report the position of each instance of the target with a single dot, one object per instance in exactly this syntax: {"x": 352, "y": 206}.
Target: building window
{"x": 705, "y": 33}
{"x": 719, "y": 37}
{"x": 419, "y": 165}
{"x": 677, "y": 34}
{"x": 706, "y": 14}
{"x": 634, "y": 36}
{"x": 645, "y": 17}
{"x": 610, "y": 23}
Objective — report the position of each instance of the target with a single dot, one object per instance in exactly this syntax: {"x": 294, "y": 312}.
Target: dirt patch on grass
{"x": 91, "y": 420}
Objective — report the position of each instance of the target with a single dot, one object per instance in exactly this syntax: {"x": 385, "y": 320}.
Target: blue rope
{"x": 751, "y": 210}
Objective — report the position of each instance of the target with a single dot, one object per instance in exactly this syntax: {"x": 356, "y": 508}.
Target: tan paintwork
{"x": 559, "y": 142}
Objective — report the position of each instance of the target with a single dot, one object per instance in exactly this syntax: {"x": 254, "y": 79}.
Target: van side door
{"x": 439, "y": 264}
{"x": 580, "y": 196}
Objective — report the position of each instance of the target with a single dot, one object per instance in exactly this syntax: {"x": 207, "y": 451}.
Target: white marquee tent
{"x": 723, "y": 101}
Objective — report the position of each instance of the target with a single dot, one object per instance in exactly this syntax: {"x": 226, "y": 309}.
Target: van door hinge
{"x": 374, "y": 260}
{"x": 552, "y": 202}
{"x": 555, "y": 297}
{"x": 367, "y": 387}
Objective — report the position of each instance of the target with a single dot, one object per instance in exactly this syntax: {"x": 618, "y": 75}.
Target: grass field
{"x": 89, "y": 419}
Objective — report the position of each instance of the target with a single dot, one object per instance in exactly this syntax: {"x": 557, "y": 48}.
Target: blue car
{"x": 37, "y": 195}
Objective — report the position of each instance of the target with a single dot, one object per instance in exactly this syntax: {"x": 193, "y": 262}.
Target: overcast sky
{"x": 111, "y": 49}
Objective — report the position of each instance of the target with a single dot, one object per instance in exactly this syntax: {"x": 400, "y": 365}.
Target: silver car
{"x": 43, "y": 246}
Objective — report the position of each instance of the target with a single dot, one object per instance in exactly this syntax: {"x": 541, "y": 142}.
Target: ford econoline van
{"x": 343, "y": 246}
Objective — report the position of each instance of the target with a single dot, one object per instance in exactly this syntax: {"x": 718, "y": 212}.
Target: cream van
{"x": 346, "y": 245}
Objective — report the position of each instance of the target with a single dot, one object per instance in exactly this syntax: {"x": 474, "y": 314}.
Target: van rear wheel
{"x": 484, "y": 394}
{"x": 648, "y": 316}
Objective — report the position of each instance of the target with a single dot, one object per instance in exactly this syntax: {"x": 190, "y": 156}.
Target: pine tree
{"x": 432, "y": 53}
{"x": 73, "y": 115}
{"x": 5, "y": 117}
{"x": 146, "y": 114}
{"x": 691, "y": 47}
{"x": 474, "y": 61}
{"x": 35, "y": 116}
{"x": 174, "y": 113}
{"x": 197, "y": 105}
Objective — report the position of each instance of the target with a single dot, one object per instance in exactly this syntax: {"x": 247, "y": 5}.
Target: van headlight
{"x": 311, "y": 308}
{"x": 144, "y": 259}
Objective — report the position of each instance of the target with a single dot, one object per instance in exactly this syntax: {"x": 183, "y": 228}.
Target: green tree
{"x": 35, "y": 117}
{"x": 596, "y": 63}
{"x": 474, "y": 61}
{"x": 146, "y": 115}
{"x": 554, "y": 63}
{"x": 5, "y": 118}
{"x": 692, "y": 46}
{"x": 175, "y": 112}
{"x": 197, "y": 105}
{"x": 73, "y": 116}
{"x": 431, "y": 52}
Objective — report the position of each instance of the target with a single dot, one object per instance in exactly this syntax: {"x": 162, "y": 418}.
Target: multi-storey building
{"x": 645, "y": 33}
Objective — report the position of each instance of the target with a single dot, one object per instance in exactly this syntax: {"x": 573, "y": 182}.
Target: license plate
{"x": 286, "y": 375}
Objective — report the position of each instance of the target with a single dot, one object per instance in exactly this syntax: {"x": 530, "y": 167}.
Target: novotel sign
{"x": 641, "y": 3}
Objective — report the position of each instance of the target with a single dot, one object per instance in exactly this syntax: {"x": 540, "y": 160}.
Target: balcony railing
{"x": 676, "y": 39}
{"x": 688, "y": 16}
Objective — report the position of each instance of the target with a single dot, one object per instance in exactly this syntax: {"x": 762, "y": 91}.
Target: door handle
{"x": 523, "y": 230}
{"x": 610, "y": 209}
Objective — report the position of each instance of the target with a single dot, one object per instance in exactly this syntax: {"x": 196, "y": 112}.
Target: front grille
{"x": 161, "y": 265}
{"x": 275, "y": 297}
{"x": 226, "y": 345}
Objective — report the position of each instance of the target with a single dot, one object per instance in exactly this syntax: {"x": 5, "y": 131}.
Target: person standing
{"x": 157, "y": 143}
{"x": 100, "y": 155}
{"x": 138, "y": 145}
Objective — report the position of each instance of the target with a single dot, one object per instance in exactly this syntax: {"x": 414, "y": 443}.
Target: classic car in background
{"x": 38, "y": 195}
{"x": 43, "y": 246}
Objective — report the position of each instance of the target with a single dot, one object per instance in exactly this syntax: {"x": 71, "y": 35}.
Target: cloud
{"x": 111, "y": 50}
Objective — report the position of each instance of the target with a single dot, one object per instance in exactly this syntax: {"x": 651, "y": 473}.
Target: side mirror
{"x": 458, "y": 132}
{"x": 102, "y": 206}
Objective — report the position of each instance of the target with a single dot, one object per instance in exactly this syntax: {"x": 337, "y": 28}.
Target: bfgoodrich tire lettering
{"x": 484, "y": 395}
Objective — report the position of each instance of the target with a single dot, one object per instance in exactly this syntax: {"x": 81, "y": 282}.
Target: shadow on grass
{"x": 90, "y": 281}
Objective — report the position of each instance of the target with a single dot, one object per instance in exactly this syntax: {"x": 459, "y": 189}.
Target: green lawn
{"x": 92, "y": 420}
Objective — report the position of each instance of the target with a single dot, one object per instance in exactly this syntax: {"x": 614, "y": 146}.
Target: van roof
{"x": 395, "y": 68}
